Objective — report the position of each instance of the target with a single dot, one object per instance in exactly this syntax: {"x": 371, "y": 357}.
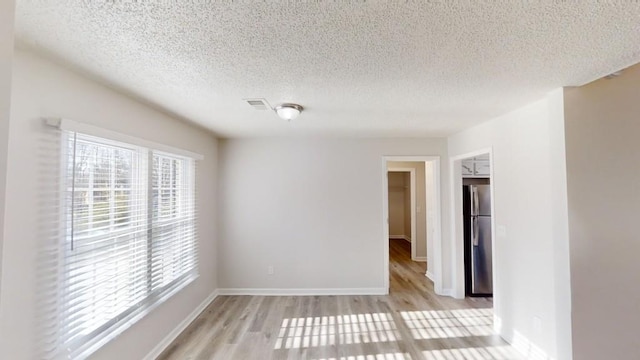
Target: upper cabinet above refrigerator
{"x": 478, "y": 166}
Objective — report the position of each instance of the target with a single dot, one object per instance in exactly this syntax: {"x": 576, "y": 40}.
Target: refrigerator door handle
{"x": 476, "y": 201}
{"x": 474, "y": 231}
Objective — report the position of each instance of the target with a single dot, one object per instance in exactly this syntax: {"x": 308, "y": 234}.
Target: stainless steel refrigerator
{"x": 477, "y": 238}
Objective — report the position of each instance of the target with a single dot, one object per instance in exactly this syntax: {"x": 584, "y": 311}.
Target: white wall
{"x": 560, "y": 225}
{"x": 312, "y": 208}
{"x": 7, "y": 15}
{"x": 41, "y": 88}
{"x": 526, "y": 178}
{"x": 430, "y": 210}
{"x": 603, "y": 174}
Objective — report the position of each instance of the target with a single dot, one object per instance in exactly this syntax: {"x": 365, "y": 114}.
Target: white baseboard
{"x": 430, "y": 275}
{"x": 162, "y": 345}
{"x": 524, "y": 346}
{"x": 446, "y": 292}
{"x": 400, "y": 237}
{"x": 420, "y": 258}
{"x": 301, "y": 292}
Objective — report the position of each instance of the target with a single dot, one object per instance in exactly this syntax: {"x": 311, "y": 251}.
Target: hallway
{"x": 410, "y": 323}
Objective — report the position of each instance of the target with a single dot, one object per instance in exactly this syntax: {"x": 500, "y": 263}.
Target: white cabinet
{"x": 482, "y": 168}
{"x": 478, "y": 166}
{"x": 467, "y": 167}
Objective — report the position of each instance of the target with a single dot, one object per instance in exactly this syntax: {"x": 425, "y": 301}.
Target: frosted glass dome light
{"x": 288, "y": 111}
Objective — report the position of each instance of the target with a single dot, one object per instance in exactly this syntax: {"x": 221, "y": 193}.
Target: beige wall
{"x": 6, "y": 58}
{"x": 406, "y": 179}
{"x": 40, "y": 89}
{"x": 421, "y": 205}
{"x": 398, "y": 213}
{"x": 603, "y": 175}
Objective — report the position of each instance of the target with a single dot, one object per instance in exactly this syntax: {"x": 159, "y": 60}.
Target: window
{"x": 129, "y": 238}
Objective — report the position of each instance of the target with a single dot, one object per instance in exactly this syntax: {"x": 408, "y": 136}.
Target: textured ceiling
{"x": 360, "y": 68}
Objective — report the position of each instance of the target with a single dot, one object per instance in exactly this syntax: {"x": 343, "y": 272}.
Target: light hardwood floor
{"x": 410, "y": 323}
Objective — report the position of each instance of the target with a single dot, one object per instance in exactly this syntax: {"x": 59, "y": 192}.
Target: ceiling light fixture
{"x": 288, "y": 111}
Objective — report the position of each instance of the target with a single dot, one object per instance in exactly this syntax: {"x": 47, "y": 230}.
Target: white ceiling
{"x": 359, "y": 68}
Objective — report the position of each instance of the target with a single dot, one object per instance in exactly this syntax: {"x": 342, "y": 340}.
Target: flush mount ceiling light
{"x": 288, "y": 111}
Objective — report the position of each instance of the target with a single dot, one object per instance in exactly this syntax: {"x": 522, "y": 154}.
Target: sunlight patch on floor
{"x": 440, "y": 324}
{"x": 476, "y": 353}
{"x": 389, "y": 356}
{"x": 332, "y": 330}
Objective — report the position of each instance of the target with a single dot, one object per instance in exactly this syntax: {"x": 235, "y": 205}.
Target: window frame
{"x": 83, "y": 346}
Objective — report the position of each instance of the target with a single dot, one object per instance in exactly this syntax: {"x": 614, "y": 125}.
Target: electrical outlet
{"x": 501, "y": 231}
{"x": 270, "y": 270}
{"x": 537, "y": 325}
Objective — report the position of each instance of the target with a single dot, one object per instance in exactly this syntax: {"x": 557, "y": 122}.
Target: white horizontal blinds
{"x": 119, "y": 235}
{"x": 173, "y": 220}
{"x": 105, "y": 248}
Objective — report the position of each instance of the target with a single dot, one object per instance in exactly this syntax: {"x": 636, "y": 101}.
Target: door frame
{"x": 413, "y": 217}
{"x": 433, "y": 213}
{"x": 457, "y": 226}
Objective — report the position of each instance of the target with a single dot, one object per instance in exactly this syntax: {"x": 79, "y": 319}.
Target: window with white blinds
{"x": 128, "y": 239}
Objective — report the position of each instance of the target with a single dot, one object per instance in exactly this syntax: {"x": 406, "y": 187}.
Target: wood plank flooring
{"x": 410, "y": 323}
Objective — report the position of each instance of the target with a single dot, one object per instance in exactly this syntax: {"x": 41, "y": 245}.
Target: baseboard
{"x": 162, "y": 345}
{"x": 301, "y": 292}
{"x": 446, "y": 292}
{"x": 400, "y": 237}
{"x": 525, "y": 346}
{"x": 430, "y": 275}
{"x": 420, "y": 258}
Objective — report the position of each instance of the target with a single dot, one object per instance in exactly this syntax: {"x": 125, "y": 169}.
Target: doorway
{"x": 473, "y": 225}
{"x": 419, "y": 178}
{"x": 406, "y": 206}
